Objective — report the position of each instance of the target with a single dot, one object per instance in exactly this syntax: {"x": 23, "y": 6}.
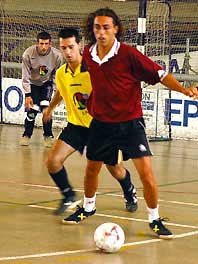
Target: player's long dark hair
{"x": 89, "y": 35}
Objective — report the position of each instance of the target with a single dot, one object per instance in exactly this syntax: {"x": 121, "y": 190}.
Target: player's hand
{"x": 47, "y": 114}
{"x": 28, "y": 102}
{"x": 192, "y": 91}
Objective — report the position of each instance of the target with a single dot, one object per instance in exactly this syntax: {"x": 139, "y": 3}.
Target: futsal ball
{"x": 109, "y": 237}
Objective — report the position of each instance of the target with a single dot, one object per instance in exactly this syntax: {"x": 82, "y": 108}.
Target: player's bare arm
{"x": 170, "y": 82}
{"x": 28, "y": 102}
{"x": 47, "y": 112}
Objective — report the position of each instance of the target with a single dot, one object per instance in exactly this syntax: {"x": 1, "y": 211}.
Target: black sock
{"x": 61, "y": 180}
{"x": 126, "y": 183}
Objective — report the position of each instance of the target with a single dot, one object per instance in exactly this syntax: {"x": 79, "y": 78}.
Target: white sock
{"x": 89, "y": 203}
{"x": 153, "y": 214}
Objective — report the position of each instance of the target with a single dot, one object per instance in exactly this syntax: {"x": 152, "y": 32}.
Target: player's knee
{"x": 148, "y": 180}
{"x": 117, "y": 171}
{"x": 92, "y": 172}
{"x": 53, "y": 163}
{"x": 31, "y": 115}
{"x": 50, "y": 163}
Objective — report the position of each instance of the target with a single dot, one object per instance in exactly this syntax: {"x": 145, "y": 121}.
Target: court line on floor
{"x": 54, "y": 187}
{"x": 91, "y": 250}
{"x": 117, "y": 217}
{"x": 126, "y": 245}
{"x": 160, "y": 200}
{"x": 33, "y": 205}
{"x": 102, "y": 193}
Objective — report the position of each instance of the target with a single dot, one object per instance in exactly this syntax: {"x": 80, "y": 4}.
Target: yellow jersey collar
{"x": 80, "y": 68}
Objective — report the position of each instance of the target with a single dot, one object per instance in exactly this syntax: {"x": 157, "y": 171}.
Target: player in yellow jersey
{"x": 74, "y": 87}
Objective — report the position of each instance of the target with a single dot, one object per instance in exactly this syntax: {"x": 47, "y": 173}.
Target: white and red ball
{"x": 109, "y": 237}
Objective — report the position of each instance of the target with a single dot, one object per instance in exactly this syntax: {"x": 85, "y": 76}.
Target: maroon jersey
{"x": 116, "y": 91}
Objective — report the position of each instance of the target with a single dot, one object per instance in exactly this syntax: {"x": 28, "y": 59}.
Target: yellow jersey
{"x": 75, "y": 88}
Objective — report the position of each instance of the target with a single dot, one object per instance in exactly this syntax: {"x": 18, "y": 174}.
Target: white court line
{"x": 160, "y": 200}
{"x": 159, "y": 240}
{"x": 47, "y": 254}
{"x": 109, "y": 194}
{"x": 117, "y": 217}
{"x": 50, "y": 254}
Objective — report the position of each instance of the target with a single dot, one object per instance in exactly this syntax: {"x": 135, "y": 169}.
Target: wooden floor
{"x": 30, "y": 233}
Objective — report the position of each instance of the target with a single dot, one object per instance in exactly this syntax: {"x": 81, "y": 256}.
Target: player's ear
{"x": 116, "y": 29}
{"x": 80, "y": 47}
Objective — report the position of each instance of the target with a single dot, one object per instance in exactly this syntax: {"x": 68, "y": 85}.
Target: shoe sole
{"x": 24, "y": 143}
{"x": 69, "y": 222}
{"x": 166, "y": 237}
{"x": 132, "y": 208}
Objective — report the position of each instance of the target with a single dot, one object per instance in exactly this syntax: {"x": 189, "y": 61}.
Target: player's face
{"x": 70, "y": 49}
{"x": 43, "y": 46}
{"x": 104, "y": 31}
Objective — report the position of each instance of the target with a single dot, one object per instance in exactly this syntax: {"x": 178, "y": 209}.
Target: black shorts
{"x": 41, "y": 95}
{"x": 75, "y": 136}
{"x": 106, "y": 139}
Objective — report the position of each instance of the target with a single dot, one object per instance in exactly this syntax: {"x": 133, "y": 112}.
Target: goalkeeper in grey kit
{"x": 39, "y": 65}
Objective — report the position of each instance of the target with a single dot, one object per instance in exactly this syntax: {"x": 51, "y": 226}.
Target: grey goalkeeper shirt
{"x": 38, "y": 69}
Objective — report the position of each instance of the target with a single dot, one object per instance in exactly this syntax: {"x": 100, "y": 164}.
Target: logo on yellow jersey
{"x": 80, "y": 100}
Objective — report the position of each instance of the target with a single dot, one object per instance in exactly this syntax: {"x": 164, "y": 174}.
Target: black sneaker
{"x": 159, "y": 229}
{"x": 67, "y": 203}
{"x": 131, "y": 200}
{"x": 78, "y": 216}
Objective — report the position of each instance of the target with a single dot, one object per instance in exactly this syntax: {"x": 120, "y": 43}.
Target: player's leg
{"x": 90, "y": 188}
{"x": 55, "y": 165}
{"x": 29, "y": 122}
{"x": 47, "y": 130}
{"x": 91, "y": 180}
{"x": 96, "y": 148}
{"x": 122, "y": 175}
{"x": 71, "y": 138}
{"x": 135, "y": 146}
{"x": 45, "y": 98}
{"x": 100, "y": 148}
{"x": 144, "y": 168}
{"x": 47, "y": 126}
{"x": 30, "y": 117}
